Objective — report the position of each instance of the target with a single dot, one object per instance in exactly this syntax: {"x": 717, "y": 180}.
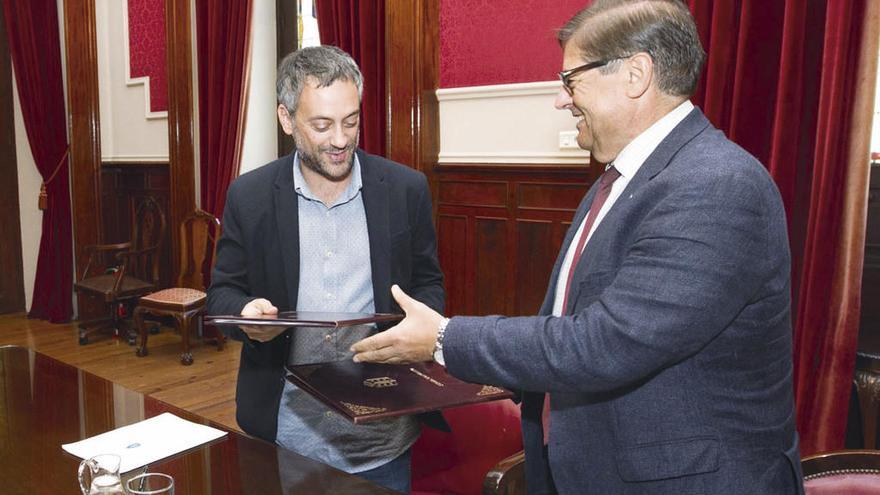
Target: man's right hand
{"x": 260, "y": 333}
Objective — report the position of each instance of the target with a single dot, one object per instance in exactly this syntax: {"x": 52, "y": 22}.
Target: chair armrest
{"x": 508, "y": 477}
{"x": 93, "y": 249}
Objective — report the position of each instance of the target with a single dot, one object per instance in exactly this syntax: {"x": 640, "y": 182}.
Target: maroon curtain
{"x": 358, "y": 27}
{"x": 223, "y": 37}
{"x": 34, "y": 43}
{"x": 780, "y": 80}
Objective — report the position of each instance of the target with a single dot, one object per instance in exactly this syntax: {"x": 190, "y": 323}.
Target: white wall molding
{"x": 505, "y": 123}
{"x": 135, "y": 158}
{"x": 498, "y": 91}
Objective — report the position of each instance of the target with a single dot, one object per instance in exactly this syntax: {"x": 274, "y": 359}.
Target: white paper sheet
{"x": 147, "y": 441}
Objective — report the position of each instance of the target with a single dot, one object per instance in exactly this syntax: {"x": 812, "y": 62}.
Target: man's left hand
{"x": 410, "y": 341}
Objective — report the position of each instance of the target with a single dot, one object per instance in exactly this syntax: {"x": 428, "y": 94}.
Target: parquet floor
{"x": 207, "y": 387}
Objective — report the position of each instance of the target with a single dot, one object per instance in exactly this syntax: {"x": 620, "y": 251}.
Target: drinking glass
{"x": 151, "y": 484}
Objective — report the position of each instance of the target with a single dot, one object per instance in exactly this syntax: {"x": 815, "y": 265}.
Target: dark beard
{"x": 315, "y": 165}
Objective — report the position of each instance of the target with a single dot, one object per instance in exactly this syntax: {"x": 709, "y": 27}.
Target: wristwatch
{"x": 438, "y": 344}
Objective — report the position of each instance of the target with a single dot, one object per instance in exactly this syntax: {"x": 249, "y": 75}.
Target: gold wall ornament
{"x": 489, "y": 390}
{"x": 359, "y": 410}
{"x": 380, "y": 382}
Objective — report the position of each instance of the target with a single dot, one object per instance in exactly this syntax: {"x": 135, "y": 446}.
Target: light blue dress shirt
{"x": 335, "y": 275}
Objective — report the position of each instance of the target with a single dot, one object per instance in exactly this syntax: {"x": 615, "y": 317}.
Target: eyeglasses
{"x": 565, "y": 76}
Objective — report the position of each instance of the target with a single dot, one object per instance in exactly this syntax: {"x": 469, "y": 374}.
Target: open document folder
{"x": 146, "y": 441}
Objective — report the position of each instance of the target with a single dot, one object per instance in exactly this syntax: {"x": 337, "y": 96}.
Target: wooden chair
{"x": 199, "y": 233}
{"x": 131, "y": 271}
{"x": 842, "y": 472}
{"x": 508, "y": 477}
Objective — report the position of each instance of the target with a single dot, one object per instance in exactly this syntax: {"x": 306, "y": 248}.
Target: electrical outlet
{"x": 568, "y": 140}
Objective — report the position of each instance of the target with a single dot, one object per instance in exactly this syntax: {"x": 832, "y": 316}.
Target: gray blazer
{"x": 672, "y": 373}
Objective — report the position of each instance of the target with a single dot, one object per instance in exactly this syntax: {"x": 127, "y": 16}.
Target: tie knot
{"x": 609, "y": 177}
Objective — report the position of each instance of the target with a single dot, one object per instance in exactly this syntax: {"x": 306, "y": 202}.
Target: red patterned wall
{"x": 497, "y": 42}
{"x": 146, "y": 45}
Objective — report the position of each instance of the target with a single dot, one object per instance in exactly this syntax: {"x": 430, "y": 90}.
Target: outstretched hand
{"x": 410, "y": 341}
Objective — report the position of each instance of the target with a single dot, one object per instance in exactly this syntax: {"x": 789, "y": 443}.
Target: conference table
{"x": 45, "y": 403}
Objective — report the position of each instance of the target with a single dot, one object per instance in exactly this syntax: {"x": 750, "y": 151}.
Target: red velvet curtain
{"x": 780, "y": 81}
{"x": 223, "y": 37}
{"x": 32, "y": 26}
{"x": 358, "y": 27}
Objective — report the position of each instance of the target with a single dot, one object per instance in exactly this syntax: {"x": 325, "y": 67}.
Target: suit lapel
{"x": 659, "y": 159}
{"x": 375, "y": 195}
{"x": 287, "y": 220}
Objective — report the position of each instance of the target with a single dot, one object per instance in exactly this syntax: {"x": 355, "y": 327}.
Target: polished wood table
{"x": 45, "y": 403}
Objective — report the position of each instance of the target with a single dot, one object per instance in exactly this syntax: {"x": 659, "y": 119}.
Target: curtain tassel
{"x": 43, "y": 199}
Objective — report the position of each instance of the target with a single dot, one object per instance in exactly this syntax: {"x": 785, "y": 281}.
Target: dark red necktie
{"x": 605, "y": 183}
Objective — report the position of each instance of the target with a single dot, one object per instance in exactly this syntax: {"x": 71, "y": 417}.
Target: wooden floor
{"x": 207, "y": 387}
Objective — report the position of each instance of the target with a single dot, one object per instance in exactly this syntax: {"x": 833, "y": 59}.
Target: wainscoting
{"x": 499, "y": 230}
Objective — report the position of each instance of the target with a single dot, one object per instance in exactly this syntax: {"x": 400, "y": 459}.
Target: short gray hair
{"x": 664, "y": 29}
{"x": 325, "y": 64}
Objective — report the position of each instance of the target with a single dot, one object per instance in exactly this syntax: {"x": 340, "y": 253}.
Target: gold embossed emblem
{"x": 359, "y": 410}
{"x": 380, "y": 382}
{"x": 489, "y": 390}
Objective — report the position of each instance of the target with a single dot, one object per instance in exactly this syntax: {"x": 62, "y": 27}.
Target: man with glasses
{"x": 664, "y": 341}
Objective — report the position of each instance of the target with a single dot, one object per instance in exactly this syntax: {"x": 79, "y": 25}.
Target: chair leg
{"x": 184, "y": 323}
{"x": 139, "y": 326}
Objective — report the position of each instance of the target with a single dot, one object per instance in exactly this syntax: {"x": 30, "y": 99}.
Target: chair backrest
{"x": 146, "y": 241}
{"x": 851, "y": 472}
{"x": 199, "y": 233}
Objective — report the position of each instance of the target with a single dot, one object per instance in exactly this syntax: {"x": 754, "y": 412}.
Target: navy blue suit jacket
{"x": 672, "y": 371}
{"x": 258, "y": 256}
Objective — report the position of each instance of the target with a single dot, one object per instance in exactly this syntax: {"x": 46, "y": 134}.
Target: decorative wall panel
{"x": 146, "y": 46}
{"x": 488, "y": 42}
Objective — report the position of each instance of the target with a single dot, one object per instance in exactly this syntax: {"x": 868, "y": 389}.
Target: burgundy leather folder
{"x": 368, "y": 391}
{"x": 305, "y": 319}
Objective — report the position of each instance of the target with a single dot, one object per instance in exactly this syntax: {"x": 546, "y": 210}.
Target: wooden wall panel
{"x": 537, "y": 246}
{"x": 492, "y": 267}
{"x": 84, "y": 135}
{"x": 11, "y": 270}
{"x": 510, "y": 221}
{"x": 181, "y": 147}
{"x": 411, "y": 48}
{"x": 452, "y": 250}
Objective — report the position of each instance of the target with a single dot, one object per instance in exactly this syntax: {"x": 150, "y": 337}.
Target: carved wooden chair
{"x": 845, "y": 472}
{"x": 118, "y": 274}
{"x": 199, "y": 233}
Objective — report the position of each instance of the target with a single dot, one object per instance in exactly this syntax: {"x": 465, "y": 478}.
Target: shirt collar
{"x": 351, "y": 192}
{"x": 634, "y": 154}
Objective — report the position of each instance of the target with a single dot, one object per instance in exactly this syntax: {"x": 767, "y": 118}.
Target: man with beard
{"x": 328, "y": 228}
{"x": 664, "y": 341}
